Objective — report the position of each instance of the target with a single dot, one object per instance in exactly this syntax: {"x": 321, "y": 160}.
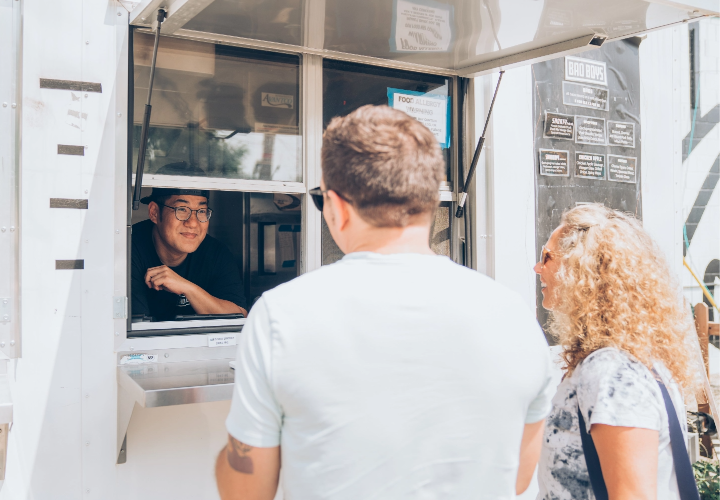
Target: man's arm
{"x": 628, "y": 459}
{"x": 529, "y": 454}
{"x": 164, "y": 278}
{"x": 244, "y": 472}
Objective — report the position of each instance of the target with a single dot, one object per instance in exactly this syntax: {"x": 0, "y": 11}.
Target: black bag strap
{"x": 683, "y": 468}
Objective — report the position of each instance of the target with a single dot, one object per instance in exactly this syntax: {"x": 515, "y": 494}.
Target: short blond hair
{"x": 615, "y": 289}
{"x": 385, "y": 163}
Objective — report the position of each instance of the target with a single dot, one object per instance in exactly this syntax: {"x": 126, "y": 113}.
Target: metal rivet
{"x": 4, "y": 105}
{"x": 87, "y": 443}
{"x": 119, "y": 115}
{"x": 14, "y": 105}
{"x": 12, "y": 228}
{"x": 87, "y": 42}
{"x": 86, "y": 191}
{"x": 86, "y": 96}
{"x": 132, "y": 348}
{"x": 117, "y": 231}
{"x": 167, "y": 354}
{"x": 87, "y": 490}
{"x": 117, "y": 334}
{"x": 5, "y": 301}
{"x": 119, "y": 14}
{"x": 12, "y": 342}
{"x": 2, "y": 344}
{"x": 3, "y": 229}
{"x": 87, "y": 395}
{"x": 6, "y": 317}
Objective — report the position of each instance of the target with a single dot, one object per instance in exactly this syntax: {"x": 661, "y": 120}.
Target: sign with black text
{"x": 622, "y": 169}
{"x": 584, "y": 96}
{"x": 621, "y": 134}
{"x": 559, "y": 126}
{"x": 582, "y": 70}
{"x": 554, "y": 163}
{"x": 590, "y": 130}
{"x": 589, "y": 165}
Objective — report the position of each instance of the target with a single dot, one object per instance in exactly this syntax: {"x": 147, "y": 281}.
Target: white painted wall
{"x": 510, "y": 162}
{"x": 661, "y": 92}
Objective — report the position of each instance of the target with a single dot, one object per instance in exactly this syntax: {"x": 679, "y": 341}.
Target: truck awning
{"x": 456, "y": 37}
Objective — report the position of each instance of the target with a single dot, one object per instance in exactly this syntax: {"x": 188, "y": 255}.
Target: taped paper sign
{"x": 429, "y": 109}
{"x": 421, "y": 26}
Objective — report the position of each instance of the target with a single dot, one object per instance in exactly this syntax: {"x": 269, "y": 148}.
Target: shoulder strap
{"x": 592, "y": 460}
{"x": 683, "y": 469}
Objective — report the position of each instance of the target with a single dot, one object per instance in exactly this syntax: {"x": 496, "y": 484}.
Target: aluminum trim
{"x": 221, "y": 184}
{"x": 250, "y": 43}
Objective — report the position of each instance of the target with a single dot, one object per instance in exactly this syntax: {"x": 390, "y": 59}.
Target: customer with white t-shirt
{"x": 393, "y": 373}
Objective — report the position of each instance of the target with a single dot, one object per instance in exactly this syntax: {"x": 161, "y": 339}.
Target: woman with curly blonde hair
{"x": 620, "y": 321}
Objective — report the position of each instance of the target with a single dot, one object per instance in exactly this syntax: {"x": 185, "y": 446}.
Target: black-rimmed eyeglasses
{"x": 184, "y": 213}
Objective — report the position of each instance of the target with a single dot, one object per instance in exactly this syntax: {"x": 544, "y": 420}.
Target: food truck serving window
{"x": 222, "y": 186}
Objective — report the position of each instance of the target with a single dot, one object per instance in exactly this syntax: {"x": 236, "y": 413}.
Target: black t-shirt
{"x": 211, "y": 267}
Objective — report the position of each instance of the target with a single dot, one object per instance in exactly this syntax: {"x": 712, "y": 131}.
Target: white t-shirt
{"x": 390, "y": 377}
{"x": 612, "y": 388}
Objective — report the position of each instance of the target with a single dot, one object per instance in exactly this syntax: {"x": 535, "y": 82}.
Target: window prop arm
{"x": 463, "y": 195}
{"x": 146, "y": 118}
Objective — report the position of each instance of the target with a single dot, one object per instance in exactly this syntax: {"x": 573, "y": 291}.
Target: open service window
{"x": 220, "y": 219}
{"x": 426, "y": 97}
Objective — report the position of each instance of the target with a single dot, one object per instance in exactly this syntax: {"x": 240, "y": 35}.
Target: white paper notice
{"x": 429, "y": 110}
{"x": 422, "y": 28}
{"x": 221, "y": 339}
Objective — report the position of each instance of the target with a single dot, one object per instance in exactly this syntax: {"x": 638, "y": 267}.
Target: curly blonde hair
{"x": 615, "y": 289}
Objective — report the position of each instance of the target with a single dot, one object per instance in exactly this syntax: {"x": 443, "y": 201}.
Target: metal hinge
{"x": 119, "y": 307}
{"x": 5, "y": 310}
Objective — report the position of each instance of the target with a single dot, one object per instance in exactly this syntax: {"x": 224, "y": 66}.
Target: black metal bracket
{"x": 146, "y": 118}
{"x": 463, "y": 195}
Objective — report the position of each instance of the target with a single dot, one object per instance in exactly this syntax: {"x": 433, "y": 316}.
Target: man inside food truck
{"x": 177, "y": 268}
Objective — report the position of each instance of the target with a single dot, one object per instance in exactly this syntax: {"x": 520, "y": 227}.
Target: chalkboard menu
{"x": 586, "y": 112}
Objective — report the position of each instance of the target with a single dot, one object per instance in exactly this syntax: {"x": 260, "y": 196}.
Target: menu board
{"x": 589, "y": 165}
{"x": 584, "y": 96}
{"x": 590, "y": 130}
{"x": 554, "y": 163}
{"x": 559, "y": 126}
{"x": 622, "y": 169}
{"x": 621, "y": 134}
{"x": 587, "y": 132}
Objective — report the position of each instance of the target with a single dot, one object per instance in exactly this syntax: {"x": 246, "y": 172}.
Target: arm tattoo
{"x": 238, "y": 456}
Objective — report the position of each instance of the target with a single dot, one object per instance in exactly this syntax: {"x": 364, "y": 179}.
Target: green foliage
{"x": 707, "y": 477}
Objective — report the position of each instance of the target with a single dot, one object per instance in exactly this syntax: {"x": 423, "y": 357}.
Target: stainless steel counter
{"x": 166, "y": 384}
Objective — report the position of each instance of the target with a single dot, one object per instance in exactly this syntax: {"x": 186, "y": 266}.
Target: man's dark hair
{"x": 385, "y": 163}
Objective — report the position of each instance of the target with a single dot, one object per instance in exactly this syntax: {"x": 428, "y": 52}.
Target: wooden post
{"x": 702, "y": 320}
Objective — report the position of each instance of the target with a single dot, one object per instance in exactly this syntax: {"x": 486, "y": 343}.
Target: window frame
{"x": 311, "y": 125}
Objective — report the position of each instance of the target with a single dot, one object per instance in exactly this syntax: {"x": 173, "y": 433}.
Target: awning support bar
{"x": 463, "y": 194}
{"x": 146, "y": 119}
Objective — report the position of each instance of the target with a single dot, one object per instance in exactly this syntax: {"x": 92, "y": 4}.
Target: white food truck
{"x": 98, "y": 401}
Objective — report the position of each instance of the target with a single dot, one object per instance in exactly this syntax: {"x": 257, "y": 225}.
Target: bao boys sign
{"x": 578, "y": 69}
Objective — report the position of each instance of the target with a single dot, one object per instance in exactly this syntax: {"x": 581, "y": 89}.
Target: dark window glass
{"x": 348, "y": 86}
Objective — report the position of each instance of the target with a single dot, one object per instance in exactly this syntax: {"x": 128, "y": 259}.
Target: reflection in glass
{"x": 348, "y": 86}
{"x": 218, "y": 111}
{"x": 269, "y": 20}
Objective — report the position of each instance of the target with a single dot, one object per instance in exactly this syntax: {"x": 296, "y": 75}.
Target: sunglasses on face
{"x": 318, "y": 197}
{"x": 545, "y": 256}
